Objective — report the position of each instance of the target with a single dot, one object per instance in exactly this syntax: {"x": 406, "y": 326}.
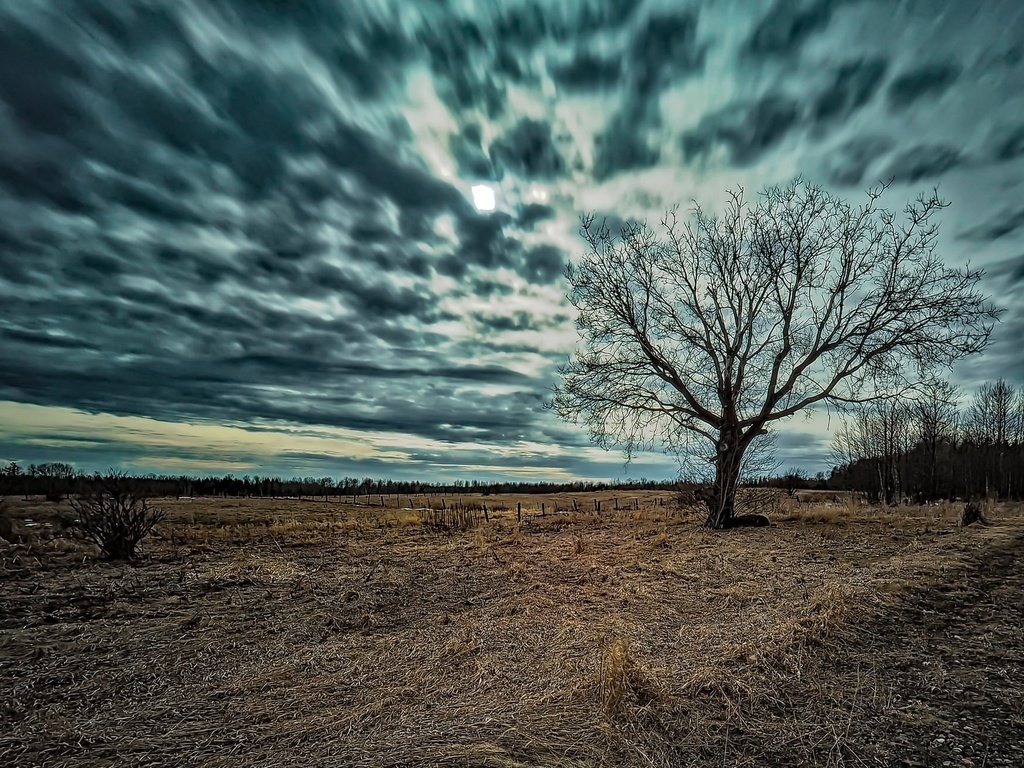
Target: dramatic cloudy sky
{"x": 238, "y": 235}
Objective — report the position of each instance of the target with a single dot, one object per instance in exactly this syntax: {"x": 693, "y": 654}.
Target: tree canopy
{"x": 715, "y": 328}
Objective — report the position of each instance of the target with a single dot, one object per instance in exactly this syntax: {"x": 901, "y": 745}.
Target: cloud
{"x": 622, "y": 145}
{"x": 467, "y": 150}
{"x": 544, "y": 264}
{"x": 1011, "y": 269}
{"x": 1009, "y": 221}
{"x": 923, "y": 81}
{"x": 664, "y": 47}
{"x": 1007, "y": 142}
{"x": 746, "y": 130}
{"x": 258, "y": 212}
{"x": 787, "y": 26}
{"x": 853, "y": 84}
{"x": 923, "y": 161}
{"x": 846, "y": 165}
{"x": 528, "y": 150}
{"x": 587, "y": 71}
{"x": 533, "y": 213}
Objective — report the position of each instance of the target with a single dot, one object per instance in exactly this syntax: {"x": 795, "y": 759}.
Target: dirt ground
{"x": 277, "y": 632}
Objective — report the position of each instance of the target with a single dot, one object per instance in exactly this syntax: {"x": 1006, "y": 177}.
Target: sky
{"x": 239, "y": 235}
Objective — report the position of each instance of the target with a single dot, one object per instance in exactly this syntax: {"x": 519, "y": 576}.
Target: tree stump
{"x": 972, "y": 513}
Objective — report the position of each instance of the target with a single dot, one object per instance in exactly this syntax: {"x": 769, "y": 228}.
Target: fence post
{"x": 542, "y": 511}
{"x": 519, "y": 511}
{"x": 486, "y": 518}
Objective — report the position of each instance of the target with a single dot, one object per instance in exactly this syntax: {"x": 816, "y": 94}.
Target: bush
{"x": 114, "y": 516}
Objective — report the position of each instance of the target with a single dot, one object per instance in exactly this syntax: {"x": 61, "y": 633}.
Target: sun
{"x": 483, "y": 197}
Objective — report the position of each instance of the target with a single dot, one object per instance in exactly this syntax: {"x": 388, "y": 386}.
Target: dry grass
{"x": 260, "y": 630}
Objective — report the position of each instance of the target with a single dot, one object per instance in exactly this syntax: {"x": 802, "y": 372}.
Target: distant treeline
{"x": 58, "y": 479}
{"x": 929, "y": 447}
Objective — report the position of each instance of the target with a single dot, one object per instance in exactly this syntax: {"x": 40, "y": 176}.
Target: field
{"x": 260, "y": 632}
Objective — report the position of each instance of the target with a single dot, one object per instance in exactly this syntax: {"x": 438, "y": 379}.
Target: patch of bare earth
{"x": 261, "y": 633}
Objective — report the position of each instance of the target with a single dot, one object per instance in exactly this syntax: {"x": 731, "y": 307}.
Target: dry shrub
{"x": 114, "y": 516}
{"x": 482, "y": 539}
{"x": 580, "y": 545}
{"x": 850, "y": 504}
{"x": 621, "y": 678}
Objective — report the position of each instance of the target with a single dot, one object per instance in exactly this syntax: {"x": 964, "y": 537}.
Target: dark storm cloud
{"x": 483, "y": 242}
{"x": 623, "y": 145}
{"x": 544, "y": 264}
{"x": 785, "y": 28}
{"x": 852, "y": 86}
{"x": 529, "y": 23}
{"x": 473, "y": 59}
{"x": 532, "y": 214}
{"x": 1007, "y": 142}
{"x": 366, "y": 51}
{"x": 1011, "y": 269}
{"x": 1009, "y": 221}
{"x": 466, "y": 147}
{"x": 457, "y": 56}
{"x": 745, "y": 129}
{"x": 518, "y": 321}
{"x": 529, "y": 150}
{"x": 484, "y": 288}
{"x": 162, "y": 390}
{"x": 927, "y": 161}
{"x": 613, "y": 222}
{"x": 232, "y": 169}
{"x": 664, "y": 48}
{"x": 847, "y": 164}
{"x": 587, "y": 71}
{"x": 924, "y": 81}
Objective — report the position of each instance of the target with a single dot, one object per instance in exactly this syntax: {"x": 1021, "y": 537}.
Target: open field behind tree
{"x": 258, "y": 632}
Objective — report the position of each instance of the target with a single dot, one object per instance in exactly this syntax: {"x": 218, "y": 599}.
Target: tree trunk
{"x": 722, "y": 499}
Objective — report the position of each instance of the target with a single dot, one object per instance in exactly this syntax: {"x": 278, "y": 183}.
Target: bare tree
{"x": 991, "y": 424}
{"x": 712, "y": 330}
{"x": 935, "y": 411}
{"x": 113, "y": 515}
{"x": 877, "y": 435}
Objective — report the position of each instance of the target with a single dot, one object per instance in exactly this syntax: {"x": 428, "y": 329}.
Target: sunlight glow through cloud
{"x": 483, "y": 197}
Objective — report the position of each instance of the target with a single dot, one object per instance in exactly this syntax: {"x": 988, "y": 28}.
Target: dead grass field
{"x": 263, "y": 632}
